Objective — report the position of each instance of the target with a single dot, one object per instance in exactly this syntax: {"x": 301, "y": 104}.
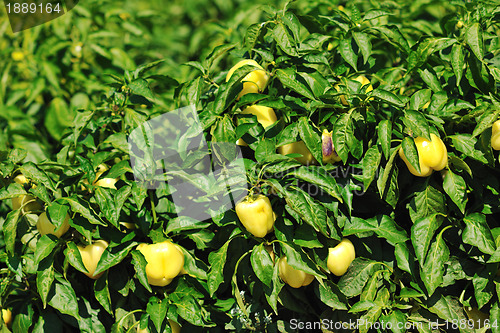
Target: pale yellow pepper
{"x": 91, "y": 254}
{"x": 432, "y": 155}
{"x": 256, "y": 214}
{"x": 165, "y": 262}
{"x": 293, "y": 277}
{"x": 253, "y": 82}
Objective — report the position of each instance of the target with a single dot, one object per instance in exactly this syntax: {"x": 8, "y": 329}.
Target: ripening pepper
{"x": 45, "y": 227}
{"x": 91, "y": 254}
{"x": 293, "y": 277}
{"x": 253, "y": 82}
{"x": 329, "y": 154}
{"x": 361, "y": 79}
{"x": 298, "y": 147}
{"x": 7, "y": 317}
{"x": 256, "y": 214}
{"x": 432, "y": 155}
{"x": 165, "y": 262}
{"x": 102, "y": 182}
{"x": 340, "y": 257}
{"x": 495, "y": 135}
{"x": 21, "y": 200}
{"x": 265, "y": 116}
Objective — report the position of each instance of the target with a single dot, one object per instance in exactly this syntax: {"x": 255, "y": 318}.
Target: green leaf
{"x": 420, "y": 98}
{"x": 74, "y": 257}
{"x": 139, "y": 263}
{"x": 321, "y": 179}
{"x": 352, "y": 283}
{"x": 272, "y": 294}
{"x": 310, "y": 138}
{"x": 78, "y": 207}
{"x": 422, "y": 233}
{"x": 474, "y": 38}
{"x": 426, "y": 202}
{"x": 330, "y": 294}
{"x": 402, "y": 255}
{"x": 217, "y": 260}
{"x": 375, "y": 13}
{"x": 62, "y": 297}
{"x": 308, "y": 209}
{"x": 494, "y": 315}
{"x": 450, "y": 309}
{"x": 410, "y": 152}
{"x": 289, "y": 79}
{"x": 384, "y": 136}
{"x": 58, "y": 118}
{"x": 13, "y": 190}
{"x": 485, "y": 121}
{"x": 386, "y": 96}
{"x": 285, "y": 40}
{"x": 113, "y": 255}
{"x": 362, "y": 306}
{"x": 431, "y": 79}
{"x": 364, "y": 44}
{"x": 484, "y": 287}
{"x": 384, "y": 179}
{"x": 371, "y": 163}
{"x": 157, "y": 310}
{"x": 477, "y": 233}
{"x": 57, "y": 213}
{"x": 298, "y": 259}
{"x": 465, "y": 143}
{"x": 44, "y": 247}
{"x": 45, "y": 278}
{"x": 458, "y": 61}
{"x": 347, "y": 52}
{"x": 262, "y": 264}
{"x": 101, "y": 292}
{"x": 9, "y": 229}
{"x": 382, "y": 225}
{"x": 433, "y": 268}
{"x": 454, "y": 185}
{"x": 33, "y": 172}
{"x": 189, "y": 309}
{"x": 344, "y": 131}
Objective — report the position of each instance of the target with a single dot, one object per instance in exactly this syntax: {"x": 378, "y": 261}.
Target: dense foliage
{"x": 427, "y": 243}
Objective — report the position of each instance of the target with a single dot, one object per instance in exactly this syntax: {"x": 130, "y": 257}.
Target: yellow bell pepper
{"x": 293, "y": 277}
{"x": 361, "y": 79}
{"x": 495, "y": 135}
{"x": 165, "y": 262}
{"x": 256, "y": 215}
{"x": 7, "y": 317}
{"x": 298, "y": 147}
{"x": 253, "y": 82}
{"x": 329, "y": 154}
{"x": 265, "y": 116}
{"x": 432, "y": 155}
{"x": 340, "y": 257}
{"x": 19, "y": 201}
{"x": 91, "y": 254}
{"x": 45, "y": 227}
{"x": 103, "y": 182}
